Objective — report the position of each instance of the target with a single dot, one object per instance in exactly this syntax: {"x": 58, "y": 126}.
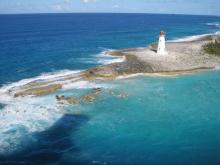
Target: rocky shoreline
{"x": 90, "y": 97}
{"x": 183, "y": 57}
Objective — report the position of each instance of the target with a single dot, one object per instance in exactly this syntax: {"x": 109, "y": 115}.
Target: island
{"x": 182, "y": 57}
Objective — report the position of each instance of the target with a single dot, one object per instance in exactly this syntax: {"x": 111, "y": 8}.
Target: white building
{"x": 161, "y": 49}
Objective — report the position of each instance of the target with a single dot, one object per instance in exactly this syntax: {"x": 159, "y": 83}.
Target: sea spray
{"x": 193, "y": 38}
{"x": 101, "y": 58}
{"x": 215, "y": 24}
{"x": 53, "y": 76}
{"x": 21, "y": 118}
{"x": 105, "y": 58}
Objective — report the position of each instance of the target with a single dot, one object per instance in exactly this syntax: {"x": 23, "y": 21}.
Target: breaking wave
{"x": 215, "y": 24}
{"x": 44, "y": 76}
{"x": 101, "y": 58}
{"x": 22, "y": 117}
{"x": 104, "y": 58}
{"x": 194, "y": 37}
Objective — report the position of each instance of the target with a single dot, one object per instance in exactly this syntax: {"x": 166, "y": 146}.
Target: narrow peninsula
{"x": 181, "y": 57}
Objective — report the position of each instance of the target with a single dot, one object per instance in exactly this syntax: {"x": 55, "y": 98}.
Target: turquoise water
{"x": 162, "y": 120}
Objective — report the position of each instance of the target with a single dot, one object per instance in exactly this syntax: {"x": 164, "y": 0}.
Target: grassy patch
{"x": 212, "y": 47}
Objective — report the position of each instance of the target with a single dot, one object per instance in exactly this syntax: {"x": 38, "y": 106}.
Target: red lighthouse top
{"x": 162, "y": 33}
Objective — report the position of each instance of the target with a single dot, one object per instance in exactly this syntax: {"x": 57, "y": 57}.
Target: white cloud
{"x": 61, "y": 7}
{"x": 116, "y": 6}
{"x": 67, "y": 1}
{"x": 87, "y": 1}
{"x": 57, "y": 7}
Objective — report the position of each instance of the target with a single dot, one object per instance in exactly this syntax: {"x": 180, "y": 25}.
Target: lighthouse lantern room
{"x": 161, "y": 50}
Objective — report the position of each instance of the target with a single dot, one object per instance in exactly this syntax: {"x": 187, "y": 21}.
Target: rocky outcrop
{"x": 38, "y": 91}
{"x": 131, "y": 65}
{"x": 183, "y": 57}
{"x": 90, "y": 97}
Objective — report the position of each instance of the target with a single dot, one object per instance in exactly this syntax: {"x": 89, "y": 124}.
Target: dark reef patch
{"x": 50, "y": 144}
{"x": 2, "y": 106}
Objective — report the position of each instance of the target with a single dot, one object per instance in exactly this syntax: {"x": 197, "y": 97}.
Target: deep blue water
{"x": 163, "y": 120}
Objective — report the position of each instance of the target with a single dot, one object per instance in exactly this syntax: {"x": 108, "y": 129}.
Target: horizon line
{"x": 107, "y": 13}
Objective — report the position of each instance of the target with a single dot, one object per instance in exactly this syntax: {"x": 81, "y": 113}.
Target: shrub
{"x": 212, "y": 47}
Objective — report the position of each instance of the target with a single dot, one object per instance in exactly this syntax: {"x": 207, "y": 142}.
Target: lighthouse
{"x": 161, "y": 50}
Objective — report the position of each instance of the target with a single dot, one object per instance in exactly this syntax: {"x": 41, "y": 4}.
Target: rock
{"x": 70, "y": 100}
{"x": 183, "y": 57}
{"x": 119, "y": 95}
{"x": 73, "y": 100}
{"x": 90, "y": 97}
{"x": 39, "y": 91}
{"x": 57, "y": 98}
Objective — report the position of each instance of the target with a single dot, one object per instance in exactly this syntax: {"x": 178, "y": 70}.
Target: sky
{"x": 197, "y": 7}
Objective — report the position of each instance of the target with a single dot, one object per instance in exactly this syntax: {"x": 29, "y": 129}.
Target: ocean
{"x": 162, "y": 120}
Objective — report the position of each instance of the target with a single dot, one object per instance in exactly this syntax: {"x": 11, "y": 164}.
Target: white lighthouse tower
{"x": 161, "y": 50}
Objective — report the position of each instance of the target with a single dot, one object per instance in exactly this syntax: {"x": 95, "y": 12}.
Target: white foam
{"x": 104, "y": 58}
{"x": 194, "y": 37}
{"x": 217, "y": 68}
{"x": 130, "y": 76}
{"x": 189, "y": 38}
{"x": 111, "y": 60}
{"x": 24, "y": 116}
{"x": 86, "y": 60}
{"x": 44, "y": 76}
{"x": 21, "y": 118}
{"x": 216, "y": 24}
{"x": 101, "y": 58}
{"x": 49, "y": 78}
{"x": 84, "y": 85}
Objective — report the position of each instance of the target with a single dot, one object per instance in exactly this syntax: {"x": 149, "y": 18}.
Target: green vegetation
{"x": 212, "y": 47}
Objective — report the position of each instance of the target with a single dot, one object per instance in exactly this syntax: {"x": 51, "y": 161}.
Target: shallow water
{"x": 171, "y": 120}
{"x": 163, "y": 121}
